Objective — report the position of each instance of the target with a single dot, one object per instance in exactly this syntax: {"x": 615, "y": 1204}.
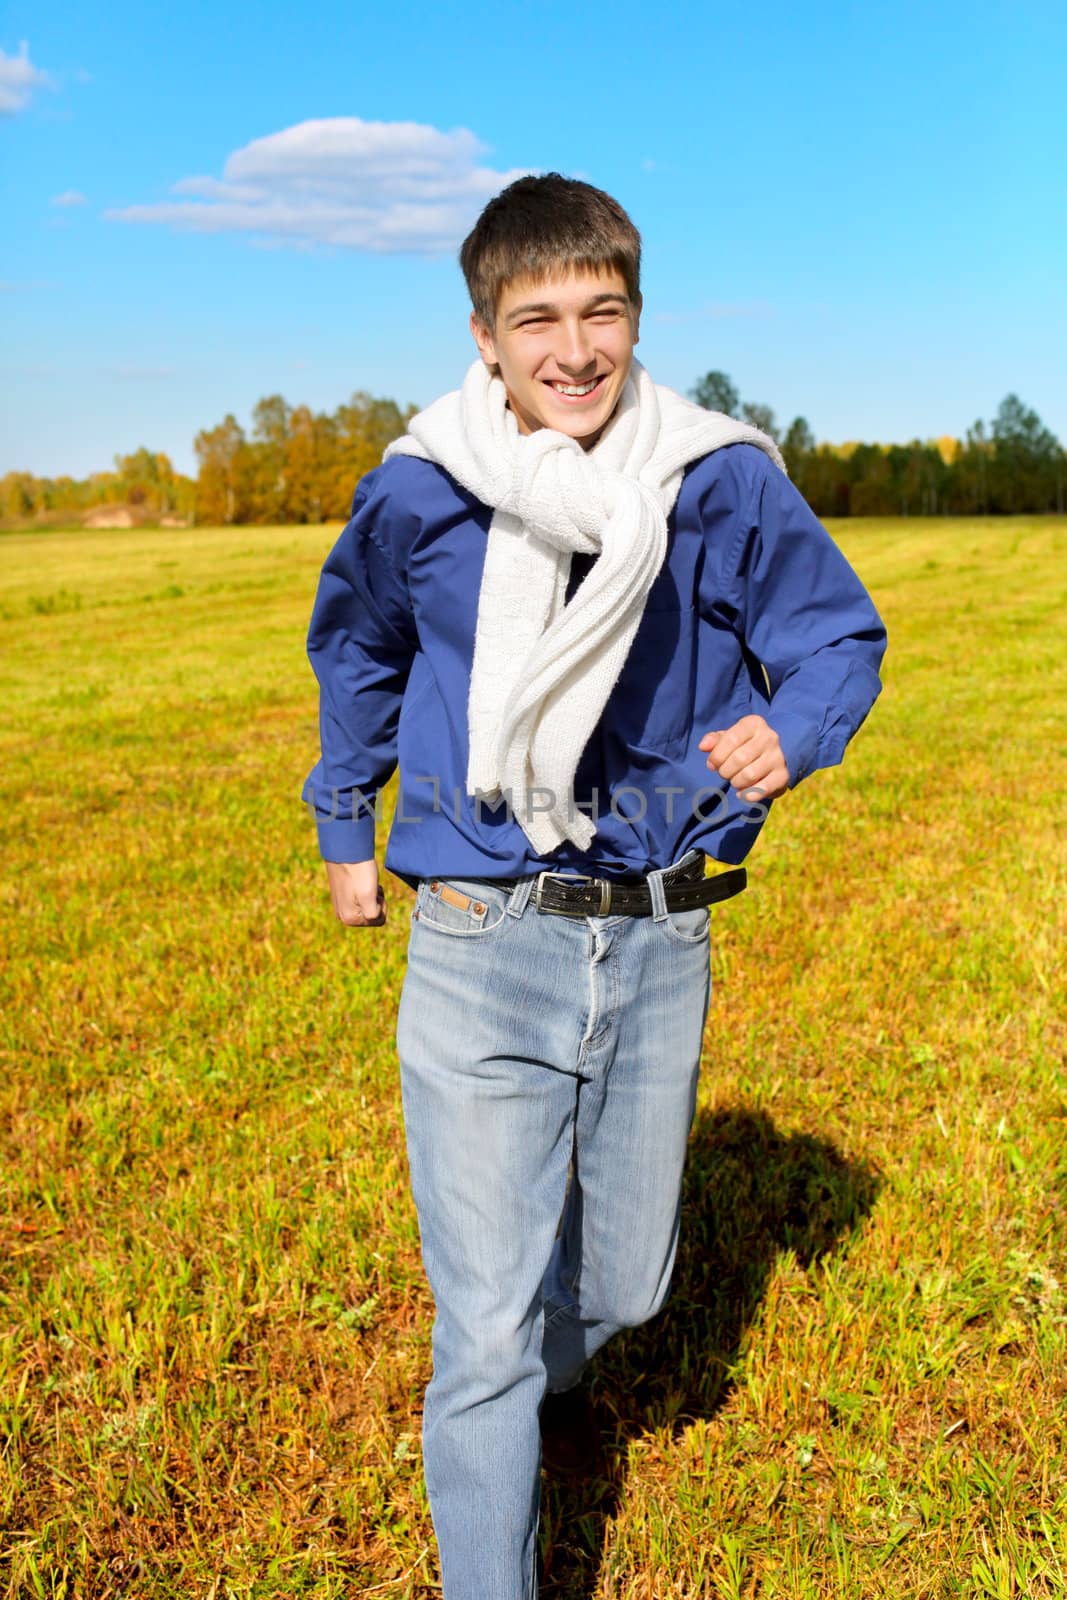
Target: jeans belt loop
{"x": 658, "y": 894}
{"x": 519, "y": 897}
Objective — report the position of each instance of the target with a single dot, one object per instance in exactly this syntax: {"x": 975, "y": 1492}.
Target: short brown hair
{"x": 535, "y": 227}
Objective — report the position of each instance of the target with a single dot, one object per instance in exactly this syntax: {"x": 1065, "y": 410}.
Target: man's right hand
{"x": 358, "y": 899}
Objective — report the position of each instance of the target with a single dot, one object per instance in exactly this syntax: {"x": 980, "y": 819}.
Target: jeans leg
{"x": 561, "y": 1307}
{"x": 486, "y": 1030}
{"x": 612, "y": 1263}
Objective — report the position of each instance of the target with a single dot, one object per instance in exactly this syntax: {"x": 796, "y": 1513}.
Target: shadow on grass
{"x": 750, "y": 1193}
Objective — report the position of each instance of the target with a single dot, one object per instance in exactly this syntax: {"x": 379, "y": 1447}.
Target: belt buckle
{"x": 566, "y": 877}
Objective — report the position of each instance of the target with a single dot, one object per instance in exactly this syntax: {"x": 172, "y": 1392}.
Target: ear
{"x": 484, "y": 340}
{"x": 637, "y": 304}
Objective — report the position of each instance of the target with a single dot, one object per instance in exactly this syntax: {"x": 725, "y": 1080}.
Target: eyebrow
{"x": 545, "y": 305}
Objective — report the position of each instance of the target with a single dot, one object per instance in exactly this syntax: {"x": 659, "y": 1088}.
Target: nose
{"x": 575, "y": 352}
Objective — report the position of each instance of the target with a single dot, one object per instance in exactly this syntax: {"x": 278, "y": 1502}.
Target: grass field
{"x": 214, "y": 1329}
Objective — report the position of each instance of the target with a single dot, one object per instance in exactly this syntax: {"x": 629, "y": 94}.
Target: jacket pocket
{"x": 652, "y": 701}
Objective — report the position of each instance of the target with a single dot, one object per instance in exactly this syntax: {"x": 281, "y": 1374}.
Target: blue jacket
{"x": 755, "y": 609}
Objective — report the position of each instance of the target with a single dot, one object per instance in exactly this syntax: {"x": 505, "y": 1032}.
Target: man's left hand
{"x": 750, "y": 757}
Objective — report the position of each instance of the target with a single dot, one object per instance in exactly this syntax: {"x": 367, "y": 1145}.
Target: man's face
{"x": 572, "y": 332}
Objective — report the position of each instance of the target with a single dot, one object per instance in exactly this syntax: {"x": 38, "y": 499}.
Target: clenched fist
{"x": 750, "y": 757}
{"x": 358, "y": 898}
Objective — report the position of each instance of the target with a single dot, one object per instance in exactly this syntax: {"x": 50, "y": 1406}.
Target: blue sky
{"x": 857, "y": 211}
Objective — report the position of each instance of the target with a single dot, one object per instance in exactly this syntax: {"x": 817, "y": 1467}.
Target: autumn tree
{"x": 147, "y": 479}
{"x": 365, "y": 426}
{"x": 224, "y": 484}
{"x": 309, "y": 466}
{"x": 18, "y": 494}
{"x": 268, "y": 485}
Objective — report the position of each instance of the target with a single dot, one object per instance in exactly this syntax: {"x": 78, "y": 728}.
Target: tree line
{"x": 145, "y": 482}
{"x": 299, "y": 465}
{"x": 1013, "y": 465}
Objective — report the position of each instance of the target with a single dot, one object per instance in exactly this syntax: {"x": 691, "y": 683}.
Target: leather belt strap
{"x": 571, "y": 895}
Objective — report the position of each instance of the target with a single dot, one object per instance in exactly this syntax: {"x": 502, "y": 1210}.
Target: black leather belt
{"x": 572, "y": 895}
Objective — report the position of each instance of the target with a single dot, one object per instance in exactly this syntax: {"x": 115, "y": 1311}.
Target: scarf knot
{"x": 556, "y": 492}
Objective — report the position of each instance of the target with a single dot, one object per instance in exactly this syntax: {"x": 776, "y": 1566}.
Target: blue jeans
{"x": 532, "y": 1045}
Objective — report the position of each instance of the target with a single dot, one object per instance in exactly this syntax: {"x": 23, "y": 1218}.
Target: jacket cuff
{"x": 799, "y": 739}
{"x": 346, "y": 839}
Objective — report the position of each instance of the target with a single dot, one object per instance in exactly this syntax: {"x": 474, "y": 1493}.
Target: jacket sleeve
{"x": 361, "y": 642}
{"x": 804, "y": 614}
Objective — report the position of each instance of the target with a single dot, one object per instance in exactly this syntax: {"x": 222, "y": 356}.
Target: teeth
{"x": 572, "y": 388}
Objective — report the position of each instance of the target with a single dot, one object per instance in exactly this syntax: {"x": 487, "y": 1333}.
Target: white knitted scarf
{"x": 542, "y": 669}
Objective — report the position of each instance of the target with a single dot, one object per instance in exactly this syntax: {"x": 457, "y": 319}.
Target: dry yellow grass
{"x": 214, "y": 1330}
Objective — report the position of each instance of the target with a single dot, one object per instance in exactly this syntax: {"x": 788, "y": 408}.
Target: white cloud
{"x": 378, "y": 186}
{"x": 69, "y": 197}
{"x": 18, "y": 79}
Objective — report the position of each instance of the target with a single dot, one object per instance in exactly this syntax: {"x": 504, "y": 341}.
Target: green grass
{"x": 214, "y": 1329}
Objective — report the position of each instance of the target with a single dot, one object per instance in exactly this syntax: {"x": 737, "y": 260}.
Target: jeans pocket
{"x": 688, "y": 927}
{"x": 459, "y": 907}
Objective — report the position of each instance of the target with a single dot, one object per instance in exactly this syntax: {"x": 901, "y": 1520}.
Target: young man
{"x": 600, "y": 632}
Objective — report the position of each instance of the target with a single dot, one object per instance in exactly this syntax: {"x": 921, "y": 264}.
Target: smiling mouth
{"x": 576, "y": 391}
